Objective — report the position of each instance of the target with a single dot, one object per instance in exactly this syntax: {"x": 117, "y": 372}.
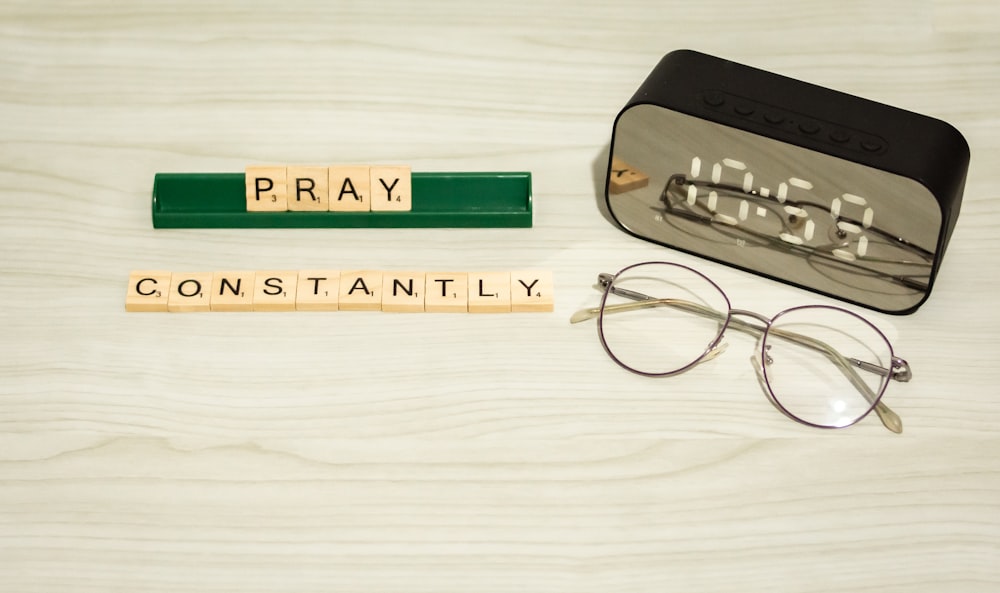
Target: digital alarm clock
{"x": 813, "y": 187}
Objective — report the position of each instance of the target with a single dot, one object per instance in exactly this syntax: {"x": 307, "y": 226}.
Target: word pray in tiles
{"x": 348, "y": 188}
{"x": 334, "y": 290}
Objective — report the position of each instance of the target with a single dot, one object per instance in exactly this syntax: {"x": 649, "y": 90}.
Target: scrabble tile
{"x": 232, "y": 291}
{"x": 531, "y": 291}
{"x": 308, "y": 189}
{"x": 147, "y": 291}
{"x": 391, "y": 189}
{"x": 266, "y": 189}
{"x": 403, "y": 292}
{"x": 275, "y": 291}
{"x": 350, "y": 188}
{"x": 318, "y": 290}
{"x": 489, "y": 292}
{"x": 189, "y": 292}
{"x": 361, "y": 291}
{"x": 446, "y": 292}
{"x": 625, "y": 178}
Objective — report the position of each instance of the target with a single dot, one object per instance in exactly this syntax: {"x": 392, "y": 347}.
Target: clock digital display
{"x": 730, "y": 173}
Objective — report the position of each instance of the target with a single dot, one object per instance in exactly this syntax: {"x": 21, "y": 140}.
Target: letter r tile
{"x": 308, "y": 189}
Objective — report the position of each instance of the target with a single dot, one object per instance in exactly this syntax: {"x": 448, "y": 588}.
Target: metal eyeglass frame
{"x": 899, "y": 371}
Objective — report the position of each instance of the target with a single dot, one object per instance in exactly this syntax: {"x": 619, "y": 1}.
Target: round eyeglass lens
{"x": 825, "y": 366}
{"x": 661, "y": 318}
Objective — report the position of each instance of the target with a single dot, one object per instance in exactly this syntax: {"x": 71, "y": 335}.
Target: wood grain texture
{"x": 280, "y": 452}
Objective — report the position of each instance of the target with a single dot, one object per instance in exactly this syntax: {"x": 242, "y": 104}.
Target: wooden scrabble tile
{"x": 275, "y": 291}
{"x": 318, "y": 290}
{"x": 531, "y": 291}
{"x": 391, "y": 188}
{"x": 308, "y": 189}
{"x": 361, "y": 291}
{"x": 266, "y": 189}
{"x": 350, "y": 188}
{"x": 403, "y": 292}
{"x": 147, "y": 291}
{"x": 624, "y": 177}
{"x": 232, "y": 291}
{"x": 489, "y": 292}
{"x": 189, "y": 292}
{"x": 446, "y": 292}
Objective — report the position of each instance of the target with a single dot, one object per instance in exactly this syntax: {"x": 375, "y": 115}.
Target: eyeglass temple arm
{"x": 900, "y": 371}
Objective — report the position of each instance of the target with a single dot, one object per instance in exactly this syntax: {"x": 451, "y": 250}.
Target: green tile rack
{"x": 440, "y": 200}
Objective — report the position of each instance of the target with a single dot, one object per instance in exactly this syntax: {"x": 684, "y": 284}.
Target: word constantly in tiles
{"x": 623, "y": 177}
{"x": 334, "y": 290}
{"x": 349, "y": 188}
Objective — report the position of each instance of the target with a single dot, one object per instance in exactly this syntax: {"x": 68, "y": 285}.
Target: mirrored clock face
{"x": 811, "y": 219}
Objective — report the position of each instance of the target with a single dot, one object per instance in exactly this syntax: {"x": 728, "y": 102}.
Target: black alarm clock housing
{"x": 837, "y": 194}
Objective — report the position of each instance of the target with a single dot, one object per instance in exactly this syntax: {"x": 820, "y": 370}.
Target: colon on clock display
{"x": 774, "y": 208}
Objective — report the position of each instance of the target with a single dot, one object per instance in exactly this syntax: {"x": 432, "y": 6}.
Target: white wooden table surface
{"x": 453, "y": 453}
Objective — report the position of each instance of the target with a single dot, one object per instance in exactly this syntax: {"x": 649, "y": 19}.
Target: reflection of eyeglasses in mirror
{"x": 836, "y": 244}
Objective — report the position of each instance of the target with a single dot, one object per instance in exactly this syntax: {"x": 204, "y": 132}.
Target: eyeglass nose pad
{"x": 715, "y": 351}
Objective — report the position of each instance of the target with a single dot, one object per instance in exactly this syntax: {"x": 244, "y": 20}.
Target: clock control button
{"x": 744, "y": 109}
{"x": 839, "y": 136}
{"x": 714, "y": 98}
{"x": 773, "y": 118}
{"x": 871, "y": 145}
{"x": 808, "y": 127}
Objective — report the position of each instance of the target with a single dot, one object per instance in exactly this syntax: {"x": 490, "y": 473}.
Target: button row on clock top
{"x": 772, "y": 116}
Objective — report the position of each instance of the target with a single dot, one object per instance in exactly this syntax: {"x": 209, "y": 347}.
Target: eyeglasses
{"x": 821, "y": 366}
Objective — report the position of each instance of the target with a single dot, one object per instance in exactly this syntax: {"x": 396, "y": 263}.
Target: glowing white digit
{"x": 851, "y": 228}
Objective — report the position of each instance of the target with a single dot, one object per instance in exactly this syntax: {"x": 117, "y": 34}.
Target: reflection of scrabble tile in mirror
{"x": 446, "y": 292}
{"x": 531, "y": 291}
{"x": 147, "y": 291}
{"x": 189, "y": 292}
{"x": 232, "y": 291}
{"x": 275, "y": 291}
{"x": 318, "y": 290}
{"x": 308, "y": 188}
{"x": 361, "y": 291}
{"x": 403, "y": 292}
{"x": 266, "y": 189}
{"x": 350, "y": 188}
{"x": 489, "y": 292}
{"x": 623, "y": 177}
{"x": 391, "y": 189}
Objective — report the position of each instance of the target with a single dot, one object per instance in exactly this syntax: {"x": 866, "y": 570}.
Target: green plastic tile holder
{"x": 440, "y": 200}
